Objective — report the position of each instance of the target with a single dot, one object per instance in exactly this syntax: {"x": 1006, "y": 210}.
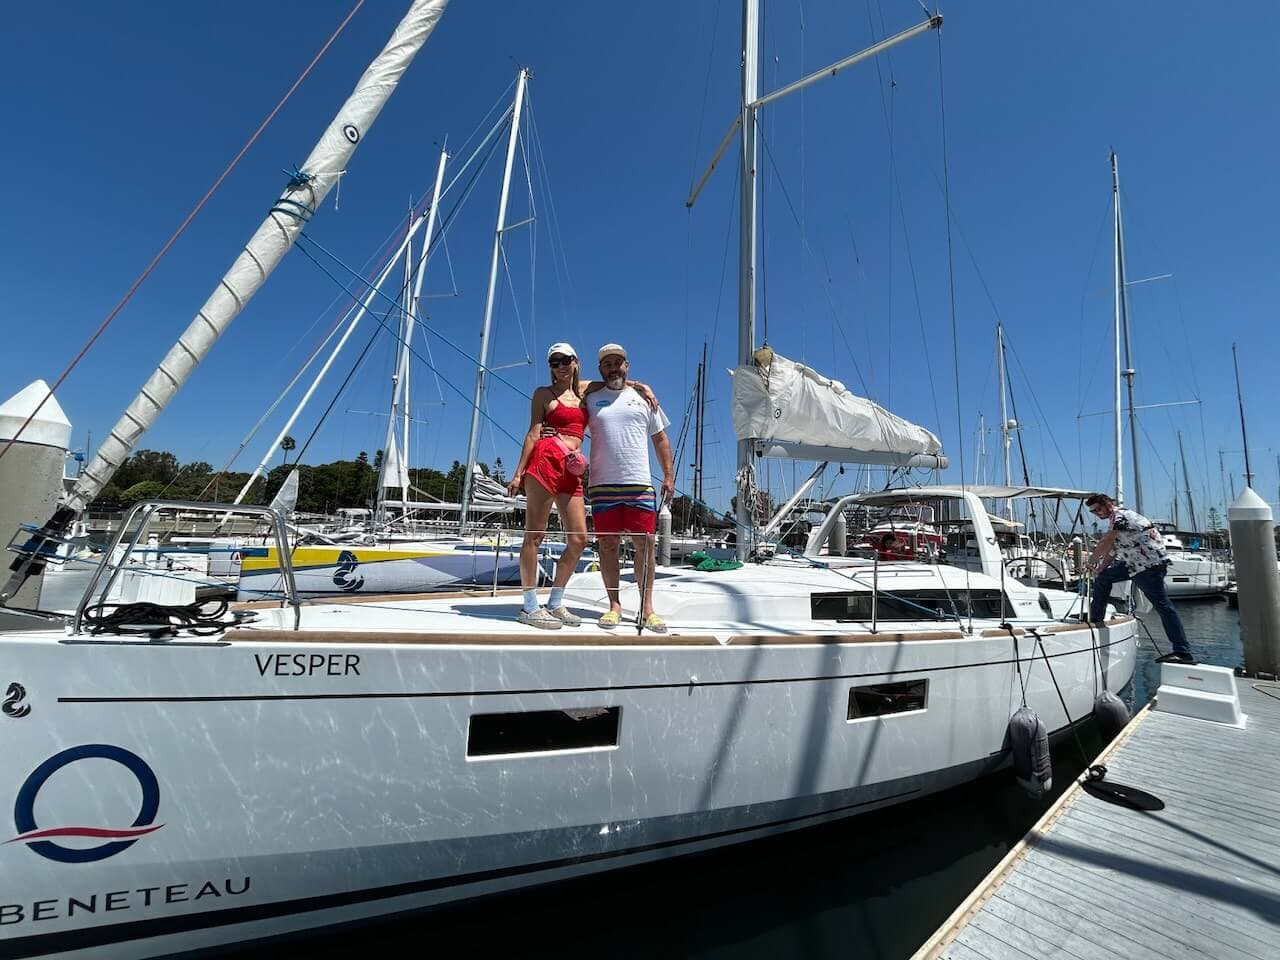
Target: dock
{"x": 1199, "y": 878}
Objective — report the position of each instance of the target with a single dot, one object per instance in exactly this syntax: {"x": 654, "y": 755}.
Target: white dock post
{"x": 1258, "y": 581}
{"x": 30, "y": 473}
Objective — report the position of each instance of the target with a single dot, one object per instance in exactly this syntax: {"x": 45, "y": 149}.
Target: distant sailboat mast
{"x": 477, "y": 404}
{"x": 395, "y": 451}
{"x": 1126, "y": 372}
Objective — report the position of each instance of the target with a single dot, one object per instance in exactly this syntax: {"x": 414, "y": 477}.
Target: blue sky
{"x": 120, "y": 117}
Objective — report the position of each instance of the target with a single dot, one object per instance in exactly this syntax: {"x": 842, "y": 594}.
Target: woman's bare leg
{"x": 536, "y": 513}
{"x": 573, "y": 516}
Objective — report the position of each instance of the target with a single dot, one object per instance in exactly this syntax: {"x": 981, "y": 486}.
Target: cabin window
{"x": 1181, "y": 579}
{"x": 542, "y": 731}
{"x": 881, "y": 699}
{"x": 913, "y": 604}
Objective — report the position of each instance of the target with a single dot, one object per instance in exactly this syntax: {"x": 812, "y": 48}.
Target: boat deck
{"x": 1200, "y": 878}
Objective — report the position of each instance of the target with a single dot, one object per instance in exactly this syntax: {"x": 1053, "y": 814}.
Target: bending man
{"x": 1134, "y": 550}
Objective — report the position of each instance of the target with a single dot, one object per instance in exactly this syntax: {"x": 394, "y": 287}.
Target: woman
{"x": 550, "y": 471}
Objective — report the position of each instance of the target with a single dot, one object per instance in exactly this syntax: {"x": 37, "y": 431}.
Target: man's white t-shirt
{"x": 621, "y": 423}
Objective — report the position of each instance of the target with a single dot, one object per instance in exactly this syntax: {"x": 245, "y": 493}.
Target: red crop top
{"x": 568, "y": 420}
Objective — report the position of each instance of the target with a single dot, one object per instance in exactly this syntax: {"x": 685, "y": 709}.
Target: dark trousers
{"x": 1151, "y": 583}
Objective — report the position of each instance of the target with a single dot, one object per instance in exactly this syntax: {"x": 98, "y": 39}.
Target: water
{"x": 872, "y": 887}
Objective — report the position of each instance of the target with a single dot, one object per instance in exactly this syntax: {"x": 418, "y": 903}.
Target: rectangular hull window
{"x": 542, "y": 731}
{"x": 910, "y": 604}
{"x": 880, "y": 699}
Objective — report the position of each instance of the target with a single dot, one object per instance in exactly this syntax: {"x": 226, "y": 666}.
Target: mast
{"x": 1186, "y": 479}
{"x": 473, "y": 441}
{"x": 395, "y": 451}
{"x": 1244, "y": 436}
{"x": 1122, "y": 331}
{"x": 750, "y": 106}
{"x": 356, "y": 313}
{"x": 1119, "y": 427}
{"x": 300, "y": 200}
{"x": 701, "y": 403}
{"x": 747, "y": 251}
{"x": 390, "y": 445}
{"x": 1004, "y": 417}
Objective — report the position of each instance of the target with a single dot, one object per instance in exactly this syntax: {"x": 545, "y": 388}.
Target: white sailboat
{"x": 317, "y": 764}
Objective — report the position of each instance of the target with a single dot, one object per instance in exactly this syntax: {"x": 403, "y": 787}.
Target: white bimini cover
{"x": 793, "y": 411}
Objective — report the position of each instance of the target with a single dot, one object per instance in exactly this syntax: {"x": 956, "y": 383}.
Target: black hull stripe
{"x": 433, "y": 694}
{"x": 50, "y": 943}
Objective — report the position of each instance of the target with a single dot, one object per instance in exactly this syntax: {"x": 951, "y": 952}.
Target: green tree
{"x": 146, "y": 465}
{"x": 287, "y": 444}
{"x": 143, "y": 490}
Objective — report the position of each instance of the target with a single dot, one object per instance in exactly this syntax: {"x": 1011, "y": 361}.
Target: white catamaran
{"x": 185, "y": 778}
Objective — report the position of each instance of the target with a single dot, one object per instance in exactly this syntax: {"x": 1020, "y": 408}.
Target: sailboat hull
{"x": 252, "y": 785}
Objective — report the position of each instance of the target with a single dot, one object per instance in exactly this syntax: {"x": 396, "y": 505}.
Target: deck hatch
{"x": 915, "y": 604}
{"x": 542, "y": 731}
{"x": 879, "y": 699}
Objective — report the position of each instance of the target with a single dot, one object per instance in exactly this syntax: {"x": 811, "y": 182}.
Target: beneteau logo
{"x": 346, "y": 566}
{"x": 41, "y": 841}
{"x": 13, "y": 705}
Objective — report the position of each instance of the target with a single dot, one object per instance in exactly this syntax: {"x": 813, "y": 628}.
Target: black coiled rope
{"x": 205, "y": 618}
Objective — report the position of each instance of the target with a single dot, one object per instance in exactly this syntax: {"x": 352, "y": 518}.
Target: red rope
{"x": 181, "y": 229}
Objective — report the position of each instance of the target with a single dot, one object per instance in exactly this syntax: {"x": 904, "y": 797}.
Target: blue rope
{"x": 395, "y": 334}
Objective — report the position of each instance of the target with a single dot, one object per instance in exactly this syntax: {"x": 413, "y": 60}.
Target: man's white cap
{"x": 611, "y": 348}
{"x": 565, "y": 349}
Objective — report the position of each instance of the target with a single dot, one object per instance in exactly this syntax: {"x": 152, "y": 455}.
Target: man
{"x": 621, "y": 493}
{"x": 1134, "y": 550}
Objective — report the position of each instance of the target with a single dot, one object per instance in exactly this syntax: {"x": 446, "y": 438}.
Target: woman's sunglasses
{"x": 560, "y": 361}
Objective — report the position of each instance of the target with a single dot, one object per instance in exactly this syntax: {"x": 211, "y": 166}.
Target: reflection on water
{"x": 872, "y": 887}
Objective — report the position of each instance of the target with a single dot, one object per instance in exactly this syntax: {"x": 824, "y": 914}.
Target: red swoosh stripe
{"x": 102, "y": 832}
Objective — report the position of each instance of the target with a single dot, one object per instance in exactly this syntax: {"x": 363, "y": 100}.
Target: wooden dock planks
{"x": 1199, "y": 879}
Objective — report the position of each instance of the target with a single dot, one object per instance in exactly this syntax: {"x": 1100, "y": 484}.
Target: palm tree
{"x": 287, "y": 444}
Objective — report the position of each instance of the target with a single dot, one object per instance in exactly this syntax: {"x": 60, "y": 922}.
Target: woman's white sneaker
{"x": 564, "y": 616}
{"x": 540, "y": 618}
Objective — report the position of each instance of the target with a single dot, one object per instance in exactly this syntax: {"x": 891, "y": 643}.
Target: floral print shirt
{"x": 1135, "y": 546}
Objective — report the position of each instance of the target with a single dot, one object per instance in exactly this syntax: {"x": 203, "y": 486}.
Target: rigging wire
{"x": 826, "y": 287}
{"x": 323, "y": 269}
{"x": 182, "y": 227}
{"x": 951, "y": 283}
{"x": 895, "y": 179}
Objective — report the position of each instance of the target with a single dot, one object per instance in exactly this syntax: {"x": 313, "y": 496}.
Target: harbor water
{"x": 872, "y": 887}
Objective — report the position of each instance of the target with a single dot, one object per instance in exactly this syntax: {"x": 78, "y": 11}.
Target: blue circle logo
{"x": 41, "y": 841}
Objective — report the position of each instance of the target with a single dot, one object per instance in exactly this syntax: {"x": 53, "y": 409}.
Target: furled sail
{"x": 301, "y": 198}
{"x": 792, "y": 411}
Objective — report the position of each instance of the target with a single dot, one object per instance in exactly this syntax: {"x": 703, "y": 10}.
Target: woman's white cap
{"x": 565, "y": 349}
{"x": 612, "y": 348}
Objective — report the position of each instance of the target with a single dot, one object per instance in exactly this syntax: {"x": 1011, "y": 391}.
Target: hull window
{"x": 542, "y": 731}
{"x": 879, "y": 699}
{"x": 915, "y": 604}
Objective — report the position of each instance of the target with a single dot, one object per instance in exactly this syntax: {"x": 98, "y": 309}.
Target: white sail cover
{"x": 265, "y": 249}
{"x": 793, "y": 411}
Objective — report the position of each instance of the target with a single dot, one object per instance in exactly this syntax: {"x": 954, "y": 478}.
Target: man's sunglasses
{"x": 560, "y": 361}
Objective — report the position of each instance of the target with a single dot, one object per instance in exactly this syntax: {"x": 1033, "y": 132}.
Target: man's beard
{"x": 616, "y": 382}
